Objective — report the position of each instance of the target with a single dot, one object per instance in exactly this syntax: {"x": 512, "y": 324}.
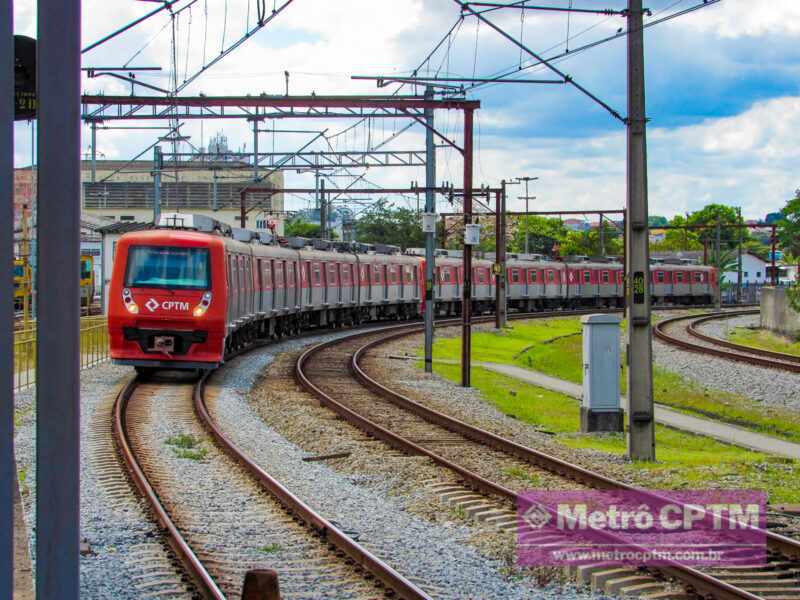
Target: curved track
{"x": 683, "y": 331}
{"x": 321, "y": 554}
{"x": 333, "y": 373}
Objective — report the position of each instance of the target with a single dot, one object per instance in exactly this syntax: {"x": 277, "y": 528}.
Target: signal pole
{"x": 641, "y": 425}
{"x": 527, "y": 197}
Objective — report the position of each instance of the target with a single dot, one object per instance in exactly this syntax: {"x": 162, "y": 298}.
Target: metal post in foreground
{"x": 57, "y": 328}
{"x": 430, "y": 236}
{"x": 8, "y": 469}
{"x": 641, "y": 428}
{"x": 500, "y": 258}
{"x": 466, "y": 292}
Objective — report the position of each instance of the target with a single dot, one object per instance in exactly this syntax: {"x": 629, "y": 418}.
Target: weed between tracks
{"x": 187, "y": 446}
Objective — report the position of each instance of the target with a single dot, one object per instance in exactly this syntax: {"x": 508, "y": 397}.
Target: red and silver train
{"x": 190, "y": 291}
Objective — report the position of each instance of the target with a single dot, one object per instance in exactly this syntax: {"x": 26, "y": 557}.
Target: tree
{"x": 390, "y": 225}
{"x": 543, "y": 233}
{"x": 710, "y": 215}
{"x": 678, "y": 239}
{"x": 588, "y": 243}
{"x": 789, "y": 226}
{"x": 657, "y": 221}
{"x": 299, "y": 228}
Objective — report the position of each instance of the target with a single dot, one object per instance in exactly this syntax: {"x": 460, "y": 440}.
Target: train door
{"x": 268, "y": 293}
{"x": 229, "y": 274}
{"x": 307, "y": 268}
{"x": 291, "y": 288}
{"x": 259, "y": 292}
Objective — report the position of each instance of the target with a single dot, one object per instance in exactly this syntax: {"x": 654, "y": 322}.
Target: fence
{"x": 94, "y": 349}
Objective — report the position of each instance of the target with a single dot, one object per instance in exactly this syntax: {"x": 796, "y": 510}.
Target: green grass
{"x": 183, "y": 440}
{"x": 555, "y": 347}
{"x": 270, "y": 548}
{"x": 764, "y": 339}
{"x": 191, "y": 454}
{"x": 684, "y": 460}
{"x": 187, "y": 446}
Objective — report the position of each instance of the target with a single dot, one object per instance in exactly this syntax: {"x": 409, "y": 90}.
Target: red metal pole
{"x": 466, "y": 293}
{"x": 243, "y": 208}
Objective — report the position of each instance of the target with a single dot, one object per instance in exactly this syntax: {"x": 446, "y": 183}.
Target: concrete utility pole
{"x": 528, "y": 197}
{"x": 739, "y": 258}
{"x": 500, "y": 258}
{"x": 158, "y": 163}
{"x": 641, "y": 425}
{"x": 602, "y": 232}
{"x": 430, "y": 236}
{"x": 773, "y": 241}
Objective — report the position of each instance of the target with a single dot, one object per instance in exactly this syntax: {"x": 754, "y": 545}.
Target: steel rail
{"x": 329, "y": 532}
{"x": 776, "y": 542}
{"x": 743, "y": 354}
{"x": 192, "y": 564}
{"x": 692, "y": 329}
{"x": 701, "y": 582}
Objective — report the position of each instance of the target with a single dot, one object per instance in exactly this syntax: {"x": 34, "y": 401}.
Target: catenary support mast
{"x": 57, "y": 326}
{"x": 8, "y": 469}
{"x": 641, "y": 434}
{"x": 430, "y": 237}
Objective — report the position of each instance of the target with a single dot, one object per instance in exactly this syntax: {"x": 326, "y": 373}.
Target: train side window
{"x": 267, "y": 275}
{"x": 587, "y": 276}
{"x": 393, "y": 274}
{"x": 551, "y": 276}
{"x": 514, "y": 276}
{"x": 660, "y": 276}
{"x": 679, "y": 277}
{"x": 605, "y": 277}
{"x": 317, "y": 275}
{"x": 698, "y": 277}
{"x": 290, "y": 274}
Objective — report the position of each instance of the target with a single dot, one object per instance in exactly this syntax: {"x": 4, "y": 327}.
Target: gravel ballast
{"x": 122, "y": 546}
{"x": 770, "y": 386}
{"x": 435, "y": 556}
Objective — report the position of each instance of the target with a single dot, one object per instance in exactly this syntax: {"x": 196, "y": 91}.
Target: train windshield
{"x": 86, "y": 268}
{"x": 168, "y": 267}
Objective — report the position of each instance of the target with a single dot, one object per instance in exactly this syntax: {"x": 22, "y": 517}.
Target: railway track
{"x": 333, "y": 372}
{"x": 273, "y": 528}
{"x": 683, "y": 332}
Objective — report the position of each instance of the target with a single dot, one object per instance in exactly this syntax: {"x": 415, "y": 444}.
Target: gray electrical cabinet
{"x": 600, "y": 409}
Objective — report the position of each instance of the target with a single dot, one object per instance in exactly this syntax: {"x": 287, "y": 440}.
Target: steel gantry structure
{"x": 119, "y": 108}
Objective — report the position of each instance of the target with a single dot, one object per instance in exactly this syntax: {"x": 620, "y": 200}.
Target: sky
{"x": 722, "y": 88}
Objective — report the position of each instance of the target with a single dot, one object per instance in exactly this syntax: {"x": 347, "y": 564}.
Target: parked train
{"x": 192, "y": 290}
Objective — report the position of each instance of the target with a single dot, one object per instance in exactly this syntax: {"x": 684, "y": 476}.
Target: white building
{"x": 754, "y": 271}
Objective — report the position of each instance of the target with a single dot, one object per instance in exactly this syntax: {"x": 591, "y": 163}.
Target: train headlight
{"x": 130, "y": 304}
{"x": 201, "y": 308}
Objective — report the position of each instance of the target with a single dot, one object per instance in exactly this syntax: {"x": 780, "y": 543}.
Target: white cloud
{"x": 746, "y": 18}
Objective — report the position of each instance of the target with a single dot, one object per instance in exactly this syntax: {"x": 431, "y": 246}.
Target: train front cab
{"x": 167, "y": 300}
